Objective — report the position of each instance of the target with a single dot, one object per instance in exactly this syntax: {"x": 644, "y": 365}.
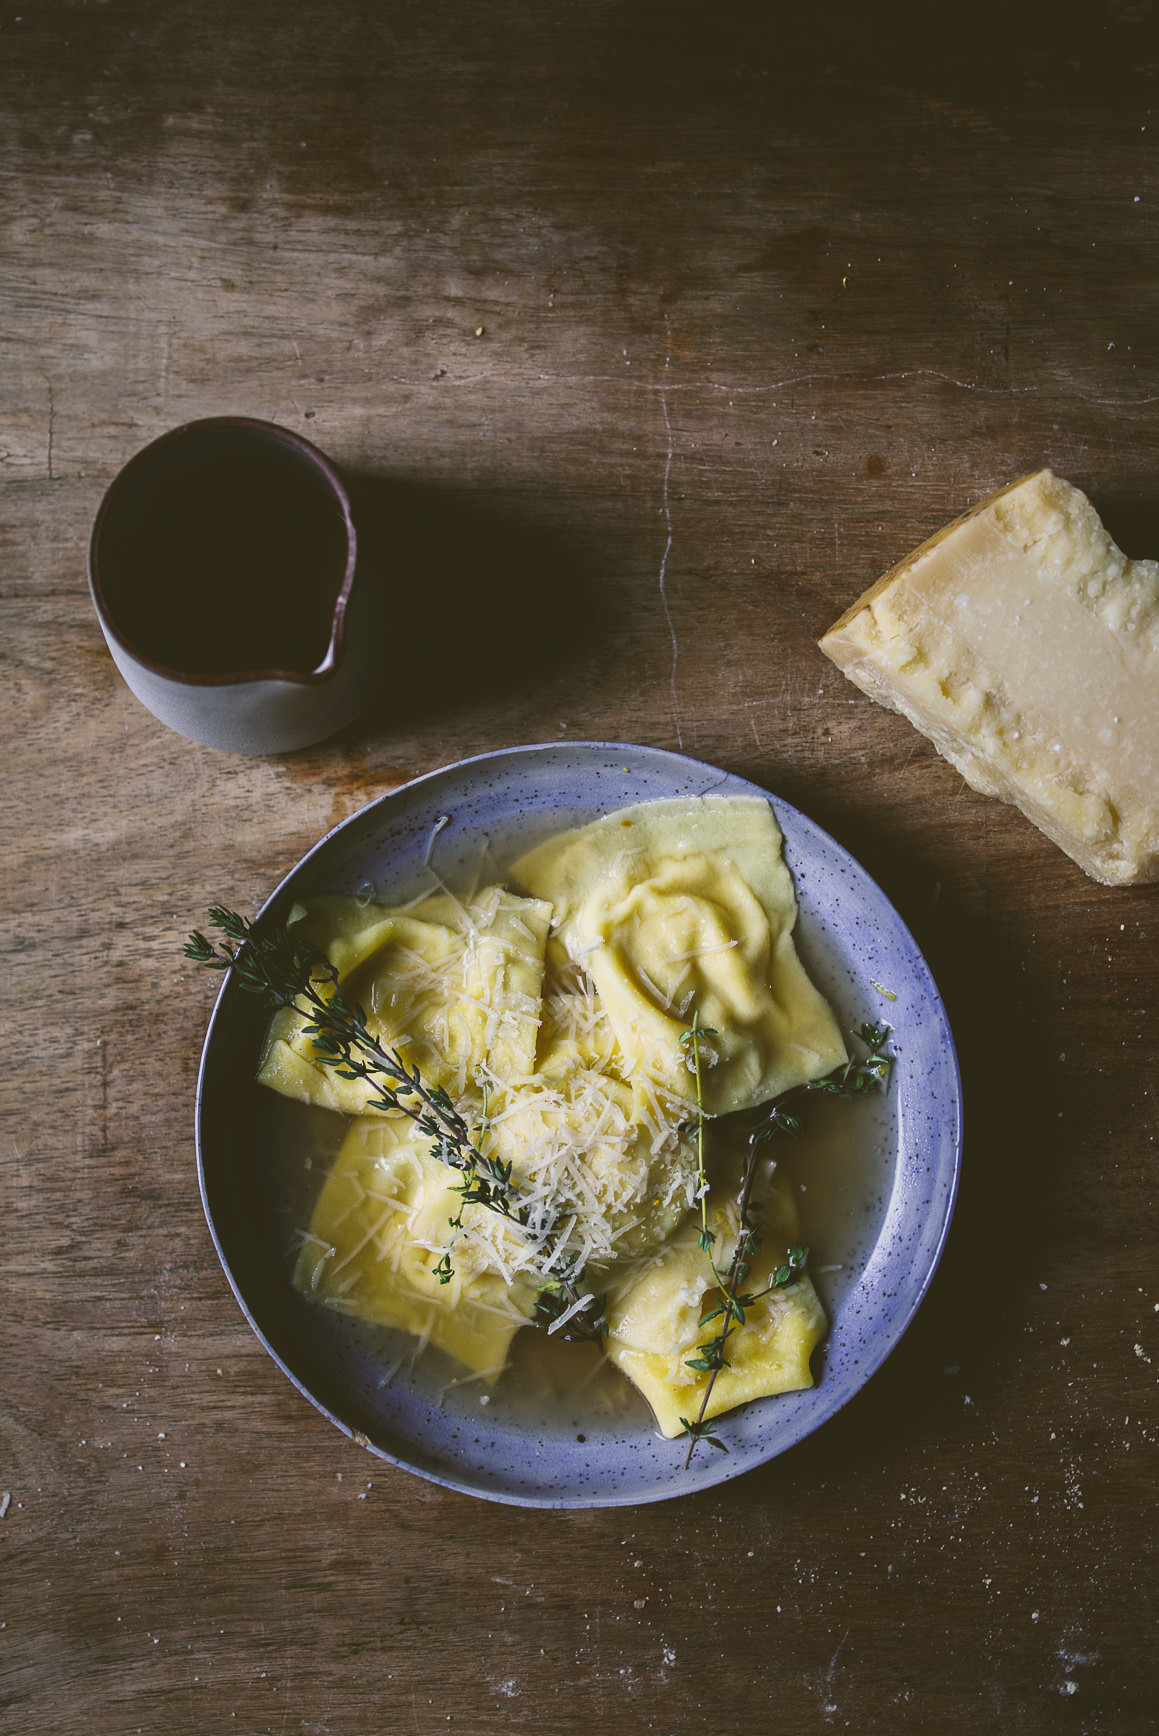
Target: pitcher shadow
{"x": 474, "y": 605}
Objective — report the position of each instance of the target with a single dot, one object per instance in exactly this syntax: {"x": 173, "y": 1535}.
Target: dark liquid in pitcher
{"x": 224, "y": 552}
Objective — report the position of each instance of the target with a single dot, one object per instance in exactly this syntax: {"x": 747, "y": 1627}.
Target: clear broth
{"x": 839, "y": 1173}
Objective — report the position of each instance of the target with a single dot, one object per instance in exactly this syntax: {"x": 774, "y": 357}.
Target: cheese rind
{"x": 1025, "y": 644}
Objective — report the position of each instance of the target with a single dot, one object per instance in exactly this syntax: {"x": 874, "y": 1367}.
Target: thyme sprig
{"x": 732, "y": 1307}
{"x": 469, "y": 1192}
{"x": 857, "y": 1078}
{"x": 691, "y": 1041}
{"x": 288, "y": 971}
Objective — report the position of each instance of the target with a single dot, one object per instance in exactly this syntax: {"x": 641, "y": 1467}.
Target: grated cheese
{"x": 443, "y": 820}
{"x": 552, "y": 1021}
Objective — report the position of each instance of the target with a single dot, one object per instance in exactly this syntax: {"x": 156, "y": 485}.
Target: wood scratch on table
{"x": 829, "y": 1708}
{"x": 914, "y": 746}
{"x": 815, "y": 377}
{"x": 855, "y": 375}
{"x": 665, "y": 388}
{"x": 667, "y": 513}
{"x": 102, "y": 1097}
{"x": 51, "y": 427}
{"x": 514, "y": 1585}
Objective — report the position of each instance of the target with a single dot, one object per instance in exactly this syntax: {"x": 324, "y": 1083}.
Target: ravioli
{"x": 552, "y": 1017}
{"x": 453, "y": 987}
{"x": 687, "y": 905}
{"x": 377, "y": 1231}
{"x": 654, "y": 1323}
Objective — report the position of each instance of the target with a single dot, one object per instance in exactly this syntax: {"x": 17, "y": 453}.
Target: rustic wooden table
{"x": 679, "y": 325}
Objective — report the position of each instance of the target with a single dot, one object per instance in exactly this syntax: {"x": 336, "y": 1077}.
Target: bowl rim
{"x": 719, "y": 1468}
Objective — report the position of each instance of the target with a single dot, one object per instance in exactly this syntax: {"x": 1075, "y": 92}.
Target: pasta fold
{"x": 453, "y": 987}
{"x": 376, "y": 1234}
{"x": 655, "y": 1332}
{"x": 682, "y": 905}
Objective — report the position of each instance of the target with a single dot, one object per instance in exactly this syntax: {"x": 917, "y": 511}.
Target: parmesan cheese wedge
{"x": 1025, "y": 644}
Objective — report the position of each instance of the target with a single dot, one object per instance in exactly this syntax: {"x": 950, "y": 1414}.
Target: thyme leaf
{"x": 691, "y": 1041}
{"x": 699, "y": 1430}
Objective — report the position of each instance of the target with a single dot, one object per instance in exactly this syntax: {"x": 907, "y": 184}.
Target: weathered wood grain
{"x": 685, "y": 323}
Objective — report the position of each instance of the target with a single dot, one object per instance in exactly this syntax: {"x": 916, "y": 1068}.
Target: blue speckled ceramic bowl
{"x": 591, "y": 1444}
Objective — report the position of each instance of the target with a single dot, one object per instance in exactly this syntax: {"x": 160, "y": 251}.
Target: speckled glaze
{"x": 853, "y": 942}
